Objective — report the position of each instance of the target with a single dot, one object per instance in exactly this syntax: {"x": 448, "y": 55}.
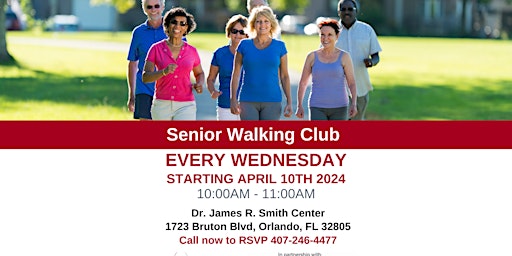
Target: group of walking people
{"x": 252, "y": 69}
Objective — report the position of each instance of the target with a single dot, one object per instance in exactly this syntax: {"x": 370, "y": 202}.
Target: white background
{"x": 116, "y": 202}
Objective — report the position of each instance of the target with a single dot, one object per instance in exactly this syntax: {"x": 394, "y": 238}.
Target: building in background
{"x": 95, "y": 18}
{"x": 447, "y": 18}
{"x": 388, "y": 17}
{"x": 428, "y": 17}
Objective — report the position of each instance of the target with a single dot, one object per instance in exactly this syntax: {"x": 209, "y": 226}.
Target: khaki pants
{"x": 362, "y": 103}
{"x": 173, "y": 110}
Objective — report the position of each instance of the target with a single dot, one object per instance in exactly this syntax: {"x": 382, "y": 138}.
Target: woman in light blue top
{"x": 265, "y": 64}
{"x": 332, "y": 78}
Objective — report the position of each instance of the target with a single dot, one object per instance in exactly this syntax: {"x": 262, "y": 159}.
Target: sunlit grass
{"x": 447, "y": 79}
{"x": 121, "y": 36}
{"x": 417, "y": 78}
{"x": 49, "y": 110}
{"x": 60, "y": 83}
{"x": 437, "y": 57}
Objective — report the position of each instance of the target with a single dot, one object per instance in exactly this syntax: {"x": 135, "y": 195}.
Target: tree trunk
{"x": 4, "y": 54}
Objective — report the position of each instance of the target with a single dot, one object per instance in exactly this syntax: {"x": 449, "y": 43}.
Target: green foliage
{"x": 371, "y": 12}
{"x": 26, "y": 6}
{"x": 236, "y": 6}
{"x": 121, "y": 5}
{"x": 292, "y": 6}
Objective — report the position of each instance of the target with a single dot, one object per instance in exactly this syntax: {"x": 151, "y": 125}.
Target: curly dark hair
{"x": 179, "y": 12}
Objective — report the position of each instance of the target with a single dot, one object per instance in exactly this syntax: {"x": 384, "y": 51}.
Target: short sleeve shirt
{"x": 143, "y": 36}
{"x": 360, "y": 41}
{"x": 261, "y": 67}
{"x": 174, "y": 86}
{"x": 223, "y": 59}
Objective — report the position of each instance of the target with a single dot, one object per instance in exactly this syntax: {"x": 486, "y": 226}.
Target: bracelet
{"x": 163, "y": 72}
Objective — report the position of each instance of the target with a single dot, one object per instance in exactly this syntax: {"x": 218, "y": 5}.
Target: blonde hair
{"x": 266, "y": 12}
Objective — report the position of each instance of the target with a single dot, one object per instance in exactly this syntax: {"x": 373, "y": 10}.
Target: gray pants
{"x": 328, "y": 113}
{"x": 260, "y": 110}
{"x": 362, "y": 103}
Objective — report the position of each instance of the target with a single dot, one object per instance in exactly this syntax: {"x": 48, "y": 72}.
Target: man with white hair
{"x": 140, "y": 94}
{"x": 255, "y": 3}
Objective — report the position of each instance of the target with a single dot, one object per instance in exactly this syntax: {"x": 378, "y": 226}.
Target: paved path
{"x": 206, "y": 106}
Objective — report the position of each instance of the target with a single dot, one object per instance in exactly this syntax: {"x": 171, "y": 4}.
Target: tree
{"x": 4, "y": 53}
{"x": 122, "y": 6}
{"x": 473, "y": 3}
{"x": 465, "y": 14}
{"x": 236, "y": 5}
{"x": 292, "y": 6}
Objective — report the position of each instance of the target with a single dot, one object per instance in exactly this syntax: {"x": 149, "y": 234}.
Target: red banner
{"x": 255, "y": 135}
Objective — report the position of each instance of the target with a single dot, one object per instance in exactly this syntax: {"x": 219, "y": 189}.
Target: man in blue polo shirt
{"x": 140, "y": 95}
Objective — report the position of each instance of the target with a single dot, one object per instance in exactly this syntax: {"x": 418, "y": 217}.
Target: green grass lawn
{"x": 58, "y": 83}
{"x": 417, "y": 78}
{"x": 458, "y": 79}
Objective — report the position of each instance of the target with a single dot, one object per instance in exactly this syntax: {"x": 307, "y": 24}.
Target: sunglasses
{"x": 350, "y": 9}
{"x": 182, "y": 23}
{"x": 234, "y": 31}
{"x": 149, "y": 7}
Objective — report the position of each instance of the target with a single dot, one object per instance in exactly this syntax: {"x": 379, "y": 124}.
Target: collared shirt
{"x": 361, "y": 42}
{"x": 143, "y": 36}
{"x": 174, "y": 86}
